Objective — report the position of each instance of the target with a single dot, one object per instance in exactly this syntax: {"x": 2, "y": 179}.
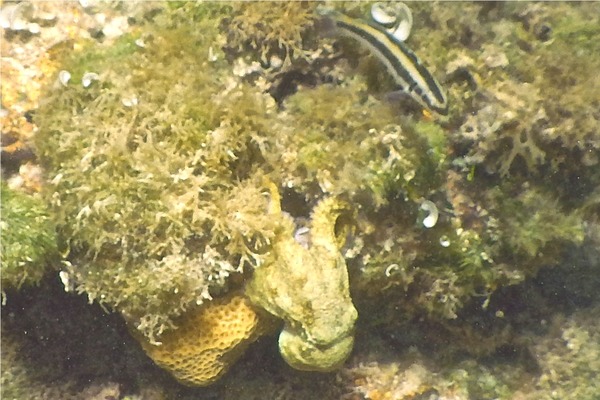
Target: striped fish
{"x": 409, "y": 74}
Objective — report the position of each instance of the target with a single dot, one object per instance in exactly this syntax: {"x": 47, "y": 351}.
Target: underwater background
{"x": 224, "y": 200}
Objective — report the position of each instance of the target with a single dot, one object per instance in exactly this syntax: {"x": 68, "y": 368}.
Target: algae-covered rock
{"x": 157, "y": 148}
{"x": 151, "y": 169}
{"x": 155, "y": 169}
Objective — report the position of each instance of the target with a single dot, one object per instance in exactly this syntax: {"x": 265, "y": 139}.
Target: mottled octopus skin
{"x": 308, "y": 288}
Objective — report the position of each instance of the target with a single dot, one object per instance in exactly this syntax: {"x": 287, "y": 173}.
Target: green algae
{"x": 28, "y": 240}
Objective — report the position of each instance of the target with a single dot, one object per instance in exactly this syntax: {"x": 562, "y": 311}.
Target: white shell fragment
{"x": 275, "y": 62}
{"x": 88, "y": 78}
{"x": 115, "y": 27}
{"x": 444, "y": 241}
{"x": 34, "y": 28}
{"x": 64, "y": 77}
{"x": 129, "y": 101}
{"x": 382, "y": 14}
{"x": 395, "y": 17}
{"x": 67, "y": 282}
{"x": 15, "y": 16}
{"x": 86, "y": 3}
{"x": 18, "y": 16}
{"x": 302, "y": 236}
{"x": 431, "y": 219}
{"x": 212, "y": 57}
{"x": 64, "y": 277}
{"x": 392, "y": 268}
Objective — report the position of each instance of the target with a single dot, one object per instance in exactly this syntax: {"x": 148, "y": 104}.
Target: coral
{"x": 207, "y": 340}
{"x": 28, "y": 239}
{"x": 491, "y": 239}
{"x": 172, "y": 235}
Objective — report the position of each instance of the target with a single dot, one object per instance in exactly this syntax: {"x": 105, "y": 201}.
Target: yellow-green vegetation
{"x": 346, "y": 141}
{"x": 152, "y": 169}
{"x": 270, "y": 29}
{"x": 27, "y": 238}
{"x": 156, "y": 169}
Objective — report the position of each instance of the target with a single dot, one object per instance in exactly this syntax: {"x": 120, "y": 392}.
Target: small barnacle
{"x": 64, "y": 77}
{"x": 66, "y": 280}
{"x": 409, "y": 175}
{"x": 431, "y": 219}
{"x": 211, "y": 55}
{"x": 302, "y": 236}
{"x": 115, "y": 27}
{"x": 15, "y": 16}
{"x": 391, "y": 269}
{"x": 88, "y": 78}
{"x": 33, "y": 28}
{"x": 275, "y": 62}
{"x": 87, "y": 3}
{"x": 241, "y": 68}
{"x": 129, "y": 101}
{"x": 444, "y": 241}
